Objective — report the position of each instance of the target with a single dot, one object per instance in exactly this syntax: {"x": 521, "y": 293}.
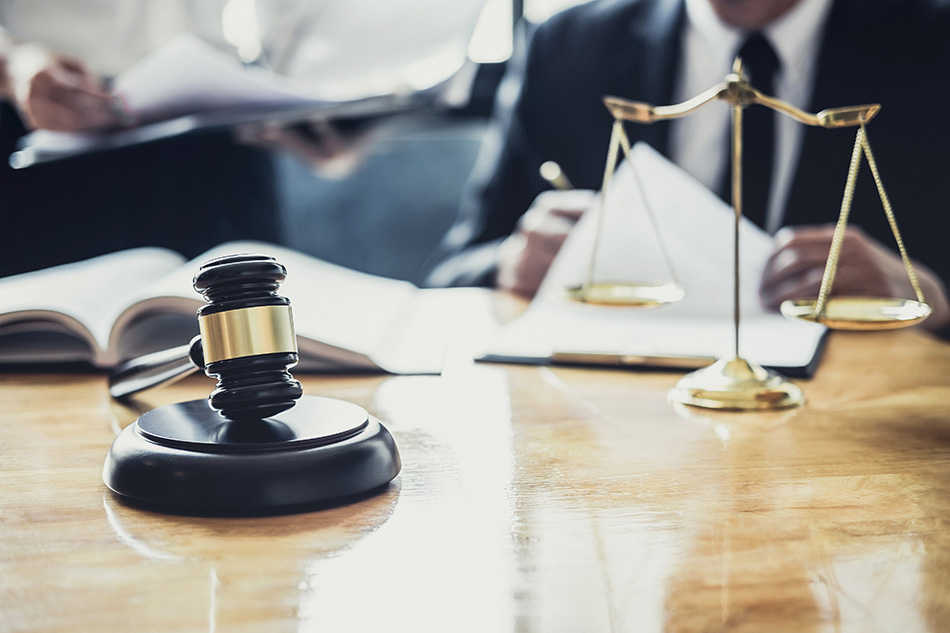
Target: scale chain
{"x": 861, "y": 145}
{"x": 611, "y": 165}
{"x": 620, "y": 141}
{"x": 888, "y": 211}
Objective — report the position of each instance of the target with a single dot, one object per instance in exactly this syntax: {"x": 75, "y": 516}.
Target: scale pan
{"x": 629, "y": 294}
{"x": 859, "y": 313}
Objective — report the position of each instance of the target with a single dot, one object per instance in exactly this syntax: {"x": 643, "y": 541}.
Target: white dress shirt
{"x": 699, "y": 141}
{"x": 110, "y": 35}
{"x": 351, "y": 48}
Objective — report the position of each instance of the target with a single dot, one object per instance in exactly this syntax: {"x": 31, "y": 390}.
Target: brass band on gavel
{"x": 247, "y": 332}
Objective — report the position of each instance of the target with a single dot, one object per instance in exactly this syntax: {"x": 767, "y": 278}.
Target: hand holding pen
{"x": 57, "y": 92}
{"x": 525, "y": 256}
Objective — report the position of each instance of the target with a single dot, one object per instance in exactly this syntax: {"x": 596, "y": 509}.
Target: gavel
{"x": 257, "y": 443}
{"x": 246, "y": 341}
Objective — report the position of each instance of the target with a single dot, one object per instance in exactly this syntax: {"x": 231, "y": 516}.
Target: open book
{"x": 189, "y": 86}
{"x": 695, "y": 229}
{"x": 123, "y": 305}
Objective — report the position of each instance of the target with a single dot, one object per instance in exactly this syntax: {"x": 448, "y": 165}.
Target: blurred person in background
{"x": 187, "y": 194}
{"x": 57, "y": 59}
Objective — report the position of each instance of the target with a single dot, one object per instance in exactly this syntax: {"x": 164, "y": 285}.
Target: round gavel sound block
{"x": 257, "y": 445}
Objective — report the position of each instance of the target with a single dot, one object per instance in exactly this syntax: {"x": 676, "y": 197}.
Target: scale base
{"x": 188, "y": 457}
{"x": 736, "y": 384}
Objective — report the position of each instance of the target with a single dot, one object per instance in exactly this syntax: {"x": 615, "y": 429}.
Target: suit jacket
{"x": 187, "y": 194}
{"x": 892, "y": 52}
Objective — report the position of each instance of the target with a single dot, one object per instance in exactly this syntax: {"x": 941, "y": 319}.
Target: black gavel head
{"x": 247, "y": 336}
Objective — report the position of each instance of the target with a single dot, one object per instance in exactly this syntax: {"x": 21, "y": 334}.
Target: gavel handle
{"x": 155, "y": 369}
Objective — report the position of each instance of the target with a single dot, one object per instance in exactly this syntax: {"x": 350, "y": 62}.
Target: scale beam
{"x": 641, "y": 112}
{"x": 737, "y": 91}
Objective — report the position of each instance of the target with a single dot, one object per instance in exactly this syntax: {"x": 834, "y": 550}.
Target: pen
{"x": 117, "y": 107}
{"x": 553, "y": 173}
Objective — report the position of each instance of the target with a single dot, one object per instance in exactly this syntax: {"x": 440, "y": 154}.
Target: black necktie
{"x": 760, "y": 64}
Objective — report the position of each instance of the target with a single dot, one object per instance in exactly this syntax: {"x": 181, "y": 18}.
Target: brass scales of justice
{"x": 736, "y": 383}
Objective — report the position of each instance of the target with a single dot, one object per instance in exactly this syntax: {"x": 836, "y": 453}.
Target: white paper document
{"x": 696, "y": 231}
{"x": 188, "y": 76}
{"x": 189, "y": 86}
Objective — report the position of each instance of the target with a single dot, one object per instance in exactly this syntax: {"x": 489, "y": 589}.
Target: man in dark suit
{"x": 892, "y": 52}
{"x": 187, "y": 194}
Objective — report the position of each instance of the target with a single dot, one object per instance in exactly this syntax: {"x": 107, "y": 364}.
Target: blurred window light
{"x": 239, "y": 25}
{"x": 540, "y": 10}
{"x": 492, "y": 39}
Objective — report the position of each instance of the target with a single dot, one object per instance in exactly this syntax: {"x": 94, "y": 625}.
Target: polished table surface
{"x": 530, "y": 499}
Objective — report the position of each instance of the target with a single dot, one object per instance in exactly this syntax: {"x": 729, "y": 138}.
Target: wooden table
{"x": 531, "y": 499}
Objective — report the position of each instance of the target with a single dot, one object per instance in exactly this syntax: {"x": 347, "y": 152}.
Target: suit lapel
{"x": 841, "y": 80}
{"x": 645, "y": 65}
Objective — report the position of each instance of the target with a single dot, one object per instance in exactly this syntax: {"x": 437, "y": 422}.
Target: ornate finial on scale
{"x": 735, "y": 383}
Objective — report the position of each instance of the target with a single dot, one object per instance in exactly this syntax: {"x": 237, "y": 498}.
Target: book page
{"x": 83, "y": 298}
{"x": 344, "y": 319}
{"x": 696, "y": 229}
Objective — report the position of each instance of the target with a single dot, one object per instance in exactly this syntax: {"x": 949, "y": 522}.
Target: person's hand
{"x": 525, "y": 256}
{"x": 56, "y": 92}
{"x": 321, "y": 145}
{"x": 865, "y": 268}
